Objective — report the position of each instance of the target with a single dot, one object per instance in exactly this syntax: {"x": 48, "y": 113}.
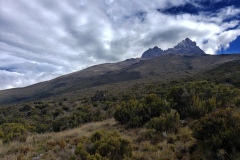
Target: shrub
{"x": 25, "y": 108}
{"x": 104, "y": 145}
{"x": 81, "y": 151}
{"x": 165, "y": 122}
{"x": 135, "y": 113}
{"x": 196, "y": 99}
{"x": 13, "y": 131}
{"x": 219, "y": 130}
{"x": 237, "y": 102}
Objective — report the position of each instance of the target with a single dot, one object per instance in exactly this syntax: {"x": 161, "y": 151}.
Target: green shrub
{"x": 219, "y": 130}
{"x": 103, "y": 145}
{"x": 237, "y": 102}
{"x": 13, "y": 131}
{"x": 196, "y": 99}
{"x": 135, "y": 113}
{"x": 81, "y": 151}
{"x": 25, "y": 108}
{"x": 165, "y": 122}
{"x": 72, "y": 158}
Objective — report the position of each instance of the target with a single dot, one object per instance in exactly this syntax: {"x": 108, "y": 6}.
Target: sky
{"x": 43, "y": 39}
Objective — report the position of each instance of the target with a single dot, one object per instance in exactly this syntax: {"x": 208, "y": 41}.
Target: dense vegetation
{"x": 218, "y": 131}
{"x": 182, "y": 119}
{"x": 103, "y": 145}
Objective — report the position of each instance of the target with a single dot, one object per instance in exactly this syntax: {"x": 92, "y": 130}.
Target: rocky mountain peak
{"x": 186, "y": 46}
{"x": 152, "y": 52}
{"x": 186, "y": 43}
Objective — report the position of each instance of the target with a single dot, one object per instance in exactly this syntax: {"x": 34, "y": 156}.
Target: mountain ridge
{"x": 186, "y": 46}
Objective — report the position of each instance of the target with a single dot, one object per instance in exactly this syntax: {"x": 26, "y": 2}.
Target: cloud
{"x": 40, "y": 40}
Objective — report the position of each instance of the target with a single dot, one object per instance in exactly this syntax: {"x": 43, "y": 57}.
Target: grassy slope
{"x": 60, "y": 146}
{"x": 48, "y": 145}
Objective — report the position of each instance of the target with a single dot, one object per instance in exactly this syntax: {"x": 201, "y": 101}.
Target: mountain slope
{"x": 166, "y": 67}
{"x": 70, "y": 82}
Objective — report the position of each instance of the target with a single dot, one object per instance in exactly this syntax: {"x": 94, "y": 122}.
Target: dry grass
{"x": 61, "y": 145}
{"x": 174, "y": 146}
{"x": 52, "y": 145}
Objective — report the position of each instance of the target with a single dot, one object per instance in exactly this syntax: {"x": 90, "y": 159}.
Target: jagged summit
{"x": 152, "y": 52}
{"x": 186, "y": 46}
{"x": 186, "y": 43}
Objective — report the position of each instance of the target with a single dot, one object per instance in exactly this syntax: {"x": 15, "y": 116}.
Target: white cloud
{"x": 40, "y": 40}
{"x": 223, "y": 39}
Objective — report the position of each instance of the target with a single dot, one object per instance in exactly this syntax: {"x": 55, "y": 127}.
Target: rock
{"x": 184, "y": 47}
{"x": 164, "y": 134}
{"x": 152, "y": 52}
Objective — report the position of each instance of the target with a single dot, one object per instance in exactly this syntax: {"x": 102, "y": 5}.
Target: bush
{"x": 237, "y": 102}
{"x": 25, "y": 108}
{"x": 219, "y": 130}
{"x": 104, "y": 145}
{"x": 81, "y": 151}
{"x": 13, "y": 131}
{"x": 196, "y": 99}
{"x": 136, "y": 113}
{"x": 166, "y": 122}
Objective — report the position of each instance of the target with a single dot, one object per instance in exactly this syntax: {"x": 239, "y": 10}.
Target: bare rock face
{"x": 184, "y": 47}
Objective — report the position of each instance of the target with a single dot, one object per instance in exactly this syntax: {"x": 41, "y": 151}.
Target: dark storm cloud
{"x": 40, "y": 40}
{"x": 158, "y": 37}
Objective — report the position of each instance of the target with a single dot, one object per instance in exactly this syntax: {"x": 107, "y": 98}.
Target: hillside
{"x": 170, "y": 106}
{"x": 120, "y": 80}
{"x": 150, "y": 120}
{"x": 165, "y": 67}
